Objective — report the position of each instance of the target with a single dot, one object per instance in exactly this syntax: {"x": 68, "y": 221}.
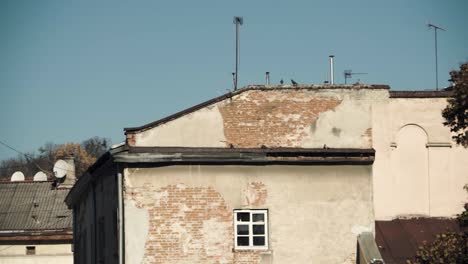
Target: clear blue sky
{"x": 70, "y": 70}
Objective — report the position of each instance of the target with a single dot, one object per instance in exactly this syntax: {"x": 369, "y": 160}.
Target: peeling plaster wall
{"x": 312, "y": 209}
{"x": 338, "y": 118}
{"x": 136, "y": 224}
{"x": 418, "y": 168}
{"x": 201, "y": 128}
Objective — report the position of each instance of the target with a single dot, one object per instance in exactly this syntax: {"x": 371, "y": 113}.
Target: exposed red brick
{"x": 190, "y": 225}
{"x": 276, "y": 118}
{"x": 131, "y": 141}
{"x": 247, "y": 257}
{"x": 256, "y": 194}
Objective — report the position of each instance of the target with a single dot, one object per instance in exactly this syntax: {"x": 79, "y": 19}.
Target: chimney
{"x": 332, "y": 74}
{"x": 267, "y": 78}
{"x": 70, "y": 178}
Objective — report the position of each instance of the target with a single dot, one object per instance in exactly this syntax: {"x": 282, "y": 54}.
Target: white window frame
{"x": 250, "y": 224}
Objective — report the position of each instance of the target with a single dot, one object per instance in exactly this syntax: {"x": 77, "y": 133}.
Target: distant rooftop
{"x": 32, "y": 206}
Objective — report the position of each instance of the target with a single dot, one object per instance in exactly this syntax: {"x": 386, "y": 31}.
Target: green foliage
{"x": 456, "y": 112}
{"x": 447, "y": 248}
{"x": 463, "y": 217}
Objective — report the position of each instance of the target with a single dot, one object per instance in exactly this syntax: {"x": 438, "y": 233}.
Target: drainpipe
{"x": 120, "y": 215}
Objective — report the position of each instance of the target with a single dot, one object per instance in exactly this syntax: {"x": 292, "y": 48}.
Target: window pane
{"x": 242, "y": 229}
{"x": 259, "y": 241}
{"x": 258, "y": 229}
{"x": 243, "y": 217}
{"x": 258, "y": 217}
{"x": 242, "y": 241}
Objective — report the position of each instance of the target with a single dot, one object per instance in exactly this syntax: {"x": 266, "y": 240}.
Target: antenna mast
{"x": 348, "y": 74}
{"x": 435, "y": 40}
{"x": 238, "y": 21}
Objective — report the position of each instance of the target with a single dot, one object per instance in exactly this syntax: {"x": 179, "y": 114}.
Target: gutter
{"x": 218, "y": 156}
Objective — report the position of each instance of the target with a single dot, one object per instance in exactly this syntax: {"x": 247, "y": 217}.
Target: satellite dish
{"x": 17, "y": 176}
{"x": 60, "y": 168}
{"x": 40, "y": 176}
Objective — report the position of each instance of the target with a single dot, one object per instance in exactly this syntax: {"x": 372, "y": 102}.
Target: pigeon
{"x": 293, "y": 82}
{"x": 281, "y": 82}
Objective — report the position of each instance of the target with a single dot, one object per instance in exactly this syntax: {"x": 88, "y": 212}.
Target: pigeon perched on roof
{"x": 293, "y": 82}
{"x": 281, "y": 82}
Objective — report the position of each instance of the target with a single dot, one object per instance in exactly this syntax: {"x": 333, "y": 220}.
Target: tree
{"x": 456, "y": 112}
{"x": 85, "y": 154}
{"x": 82, "y": 158}
{"x": 96, "y": 146}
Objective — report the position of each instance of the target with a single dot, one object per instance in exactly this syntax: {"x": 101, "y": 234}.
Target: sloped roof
{"x": 250, "y": 88}
{"x": 33, "y": 206}
{"x": 399, "y": 239}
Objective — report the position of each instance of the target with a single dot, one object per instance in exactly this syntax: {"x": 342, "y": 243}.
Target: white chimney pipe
{"x": 332, "y": 73}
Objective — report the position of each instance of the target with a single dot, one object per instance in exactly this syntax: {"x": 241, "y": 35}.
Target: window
{"x": 30, "y": 250}
{"x": 251, "y": 229}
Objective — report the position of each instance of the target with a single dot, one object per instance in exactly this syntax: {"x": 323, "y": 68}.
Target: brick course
{"x": 276, "y": 118}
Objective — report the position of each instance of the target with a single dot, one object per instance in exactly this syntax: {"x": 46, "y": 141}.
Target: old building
{"x": 268, "y": 174}
{"x": 35, "y": 224}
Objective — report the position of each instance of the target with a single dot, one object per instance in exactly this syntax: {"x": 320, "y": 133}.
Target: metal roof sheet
{"x": 399, "y": 239}
{"x": 33, "y": 206}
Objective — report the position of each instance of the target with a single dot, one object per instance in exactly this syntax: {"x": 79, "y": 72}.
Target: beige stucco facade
{"x": 418, "y": 170}
{"x": 307, "y": 118}
{"x": 185, "y": 212}
{"x": 50, "y": 254}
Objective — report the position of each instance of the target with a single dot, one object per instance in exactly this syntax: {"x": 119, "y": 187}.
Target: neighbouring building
{"x": 269, "y": 174}
{"x": 35, "y": 223}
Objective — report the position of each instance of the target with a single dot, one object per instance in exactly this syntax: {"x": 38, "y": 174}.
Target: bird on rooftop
{"x": 293, "y": 82}
{"x": 281, "y": 82}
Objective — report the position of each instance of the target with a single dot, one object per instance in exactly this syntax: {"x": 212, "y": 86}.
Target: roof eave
{"x": 248, "y": 156}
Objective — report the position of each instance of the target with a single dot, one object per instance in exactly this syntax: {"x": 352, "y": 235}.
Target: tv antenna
{"x": 435, "y": 41}
{"x": 238, "y": 21}
{"x": 348, "y": 74}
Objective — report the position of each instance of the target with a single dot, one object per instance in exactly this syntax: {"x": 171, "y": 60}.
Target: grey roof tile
{"x": 33, "y": 206}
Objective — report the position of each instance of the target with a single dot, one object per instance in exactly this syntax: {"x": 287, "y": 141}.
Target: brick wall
{"x": 276, "y": 118}
{"x": 192, "y": 224}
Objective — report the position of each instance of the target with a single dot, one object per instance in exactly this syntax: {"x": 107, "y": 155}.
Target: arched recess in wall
{"x": 410, "y": 171}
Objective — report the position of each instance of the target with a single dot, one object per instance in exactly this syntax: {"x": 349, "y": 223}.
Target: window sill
{"x": 261, "y": 251}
